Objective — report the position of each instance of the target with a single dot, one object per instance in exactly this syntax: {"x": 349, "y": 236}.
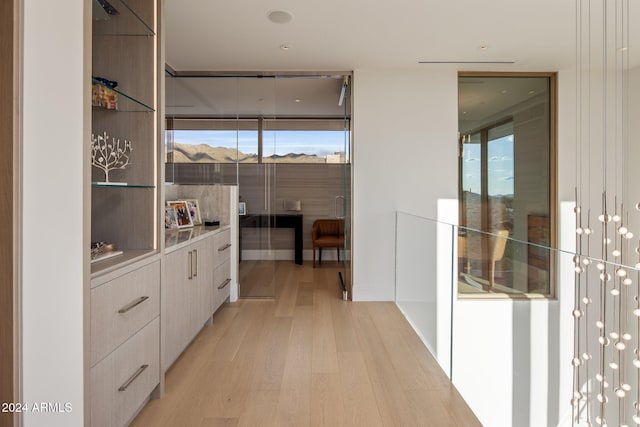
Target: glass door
{"x": 258, "y": 219}
{"x": 285, "y": 141}
{"x": 343, "y": 201}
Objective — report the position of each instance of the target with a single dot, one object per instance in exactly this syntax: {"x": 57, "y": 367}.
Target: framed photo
{"x": 194, "y": 210}
{"x": 242, "y": 208}
{"x": 170, "y": 218}
{"x": 182, "y": 213}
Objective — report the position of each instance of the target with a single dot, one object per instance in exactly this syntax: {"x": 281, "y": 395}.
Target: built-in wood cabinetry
{"x": 221, "y": 262}
{"x": 124, "y": 211}
{"x": 125, "y": 341}
{"x": 125, "y": 290}
{"x": 195, "y": 285}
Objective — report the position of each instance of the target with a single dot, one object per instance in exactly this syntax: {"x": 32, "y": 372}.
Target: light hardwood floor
{"x": 307, "y": 358}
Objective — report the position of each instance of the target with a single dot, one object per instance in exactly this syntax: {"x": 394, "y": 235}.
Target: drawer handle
{"x": 133, "y": 304}
{"x": 135, "y": 375}
{"x": 226, "y": 282}
{"x": 222, "y": 248}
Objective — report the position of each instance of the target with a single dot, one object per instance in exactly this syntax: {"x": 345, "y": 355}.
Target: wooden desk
{"x": 275, "y": 221}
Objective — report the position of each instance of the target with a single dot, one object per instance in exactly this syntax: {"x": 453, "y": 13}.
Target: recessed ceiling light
{"x": 280, "y": 16}
{"x": 297, "y": 100}
{"x": 285, "y": 47}
{"x": 464, "y": 112}
{"x": 504, "y": 91}
{"x": 532, "y": 91}
{"x": 484, "y": 47}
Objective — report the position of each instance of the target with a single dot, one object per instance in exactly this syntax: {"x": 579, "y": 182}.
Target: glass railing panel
{"x": 520, "y": 337}
{"x": 424, "y": 273}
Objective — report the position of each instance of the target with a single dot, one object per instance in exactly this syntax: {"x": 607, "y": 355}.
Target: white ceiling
{"x": 346, "y": 35}
{"x": 351, "y": 34}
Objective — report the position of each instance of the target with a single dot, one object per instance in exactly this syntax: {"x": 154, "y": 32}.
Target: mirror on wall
{"x": 506, "y": 184}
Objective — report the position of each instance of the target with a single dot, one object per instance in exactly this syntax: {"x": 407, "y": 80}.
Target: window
{"x": 506, "y": 184}
{"x": 305, "y": 146}
{"x": 212, "y": 141}
{"x": 283, "y": 141}
{"x": 215, "y": 146}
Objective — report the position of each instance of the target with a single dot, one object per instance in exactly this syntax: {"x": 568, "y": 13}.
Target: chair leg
{"x": 338, "y": 250}
{"x": 320, "y": 255}
{"x": 314, "y": 257}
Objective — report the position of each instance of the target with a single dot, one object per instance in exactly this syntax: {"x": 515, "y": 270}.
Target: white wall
{"x": 405, "y": 129}
{"x": 53, "y": 241}
{"x": 405, "y": 132}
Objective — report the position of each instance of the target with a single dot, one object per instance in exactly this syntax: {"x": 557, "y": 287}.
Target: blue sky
{"x": 320, "y": 143}
{"x": 500, "y": 169}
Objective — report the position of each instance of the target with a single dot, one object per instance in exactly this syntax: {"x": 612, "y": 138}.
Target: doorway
{"x": 285, "y": 140}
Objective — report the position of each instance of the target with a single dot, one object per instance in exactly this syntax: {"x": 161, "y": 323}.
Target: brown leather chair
{"x": 327, "y": 233}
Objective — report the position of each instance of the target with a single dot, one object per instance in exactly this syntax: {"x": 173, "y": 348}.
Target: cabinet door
{"x": 181, "y": 292}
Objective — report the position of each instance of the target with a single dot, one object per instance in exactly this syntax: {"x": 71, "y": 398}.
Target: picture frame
{"x": 242, "y": 208}
{"x": 183, "y": 216}
{"x": 194, "y": 210}
{"x": 170, "y": 218}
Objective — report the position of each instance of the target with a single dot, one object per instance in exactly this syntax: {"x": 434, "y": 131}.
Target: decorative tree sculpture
{"x": 109, "y": 155}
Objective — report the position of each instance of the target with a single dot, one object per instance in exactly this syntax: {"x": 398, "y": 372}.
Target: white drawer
{"x": 222, "y": 284}
{"x": 122, "y": 381}
{"x": 222, "y": 247}
{"x": 122, "y": 306}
